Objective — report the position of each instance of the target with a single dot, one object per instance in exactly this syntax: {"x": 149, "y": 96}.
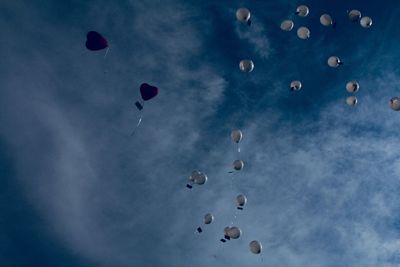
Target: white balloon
{"x": 394, "y": 103}
{"x": 255, "y": 247}
{"x": 354, "y": 15}
{"x": 366, "y": 22}
{"x": 241, "y": 200}
{"x": 243, "y": 14}
{"x": 352, "y": 87}
{"x": 238, "y": 164}
{"x": 246, "y": 65}
{"x": 351, "y": 101}
{"x": 326, "y": 20}
{"x": 201, "y": 179}
{"x": 198, "y": 177}
{"x": 236, "y": 136}
{"x": 303, "y": 33}
{"x": 302, "y": 11}
{"x": 334, "y": 62}
{"x": 295, "y": 85}
{"x": 208, "y": 218}
{"x": 234, "y": 232}
{"x": 287, "y": 25}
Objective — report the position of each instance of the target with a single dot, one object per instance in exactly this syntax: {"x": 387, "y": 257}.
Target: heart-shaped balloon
{"x": 147, "y": 91}
{"x": 95, "y": 41}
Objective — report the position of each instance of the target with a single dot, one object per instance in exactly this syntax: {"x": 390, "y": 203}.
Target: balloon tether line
{"x": 234, "y": 218}
{"x": 140, "y": 120}
{"x": 106, "y": 52}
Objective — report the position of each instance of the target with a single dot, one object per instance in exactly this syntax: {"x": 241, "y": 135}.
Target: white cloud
{"x": 256, "y": 36}
{"x": 319, "y": 192}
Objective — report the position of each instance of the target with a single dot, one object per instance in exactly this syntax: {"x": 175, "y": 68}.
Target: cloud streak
{"x": 322, "y": 189}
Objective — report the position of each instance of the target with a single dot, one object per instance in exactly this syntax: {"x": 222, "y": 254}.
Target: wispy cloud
{"x": 320, "y": 192}
{"x": 256, "y": 36}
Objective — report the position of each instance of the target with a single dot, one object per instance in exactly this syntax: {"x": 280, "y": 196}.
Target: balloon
{"x": 394, "y": 103}
{"x": 243, "y": 15}
{"x": 234, "y": 232}
{"x": 295, "y": 85}
{"x": 208, "y": 218}
{"x": 241, "y": 200}
{"x": 354, "y": 15}
{"x": 366, "y": 22}
{"x": 334, "y": 62}
{"x": 303, "y": 33}
{"x": 287, "y": 25}
{"x": 236, "y": 136}
{"x": 147, "y": 91}
{"x": 238, "y": 164}
{"x": 255, "y": 247}
{"x": 326, "y": 20}
{"x": 94, "y": 41}
{"x": 351, "y": 101}
{"x": 352, "y": 87}
{"x": 246, "y": 65}
{"x": 302, "y": 11}
{"x": 198, "y": 177}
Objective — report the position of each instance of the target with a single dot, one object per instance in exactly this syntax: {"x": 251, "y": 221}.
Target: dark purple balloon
{"x": 94, "y": 41}
{"x": 147, "y": 91}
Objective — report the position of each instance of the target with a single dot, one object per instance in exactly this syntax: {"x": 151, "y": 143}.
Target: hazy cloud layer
{"x": 321, "y": 178}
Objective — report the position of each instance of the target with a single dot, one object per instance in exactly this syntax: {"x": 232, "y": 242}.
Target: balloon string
{"x": 106, "y": 52}
{"x": 137, "y": 125}
{"x": 235, "y": 215}
{"x": 232, "y": 194}
{"x": 140, "y": 119}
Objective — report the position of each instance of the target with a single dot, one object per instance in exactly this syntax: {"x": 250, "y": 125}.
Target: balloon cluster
{"x": 243, "y": 15}
{"x": 230, "y": 232}
{"x": 333, "y": 61}
{"x": 95, "y": 42}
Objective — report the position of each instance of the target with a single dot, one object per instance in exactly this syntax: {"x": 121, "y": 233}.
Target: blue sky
{"x": 321, "y": 178}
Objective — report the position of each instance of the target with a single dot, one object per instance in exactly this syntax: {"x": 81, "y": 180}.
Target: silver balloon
{"x": 302, "y": 11}
{"x": 234, "y": 232}
{"x": 287, "y": 25}
{"x": 246, "y": 65}
{"x": 198, "y": 177}
{"x": 354, "y": 15}
{"x": 394, "y": 103}
{"x": 241, "y": 200}
{"x": 326, "y": 20}
{"x": 243, "y": 14}
{"x": 201, "y": 179}
{"x": 236, "y": 136}
{"x": 334, "y": 62}
{"x": 352, "y": 87}
{"x": 295, "y": 85}
{"x": 255, "y": 247}
{"x": 208, "y": 218}
{"x": 351, "y": 101}
{"x": 238, "y": 165}
{"x": 366, "y": 22}
{"x": 303, "y": 33}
